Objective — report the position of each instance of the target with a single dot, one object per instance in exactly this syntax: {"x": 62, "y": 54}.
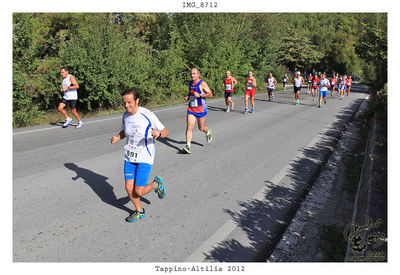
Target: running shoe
{"x": 186, "y": 149}
{"x": 324, "y": 101}
{"x": 246, "y": 110}
{"x": 297, "y": 102}
{"x": 160, "y": 190}
{"x": 80, "y": 124}
{"x": 233, "y": 104}
{"x": 252, "y": 111}
{"x": 209, "y": 136}
{"x": 227, "y": 110}
{"x": 269, "y": 99}
{"x": 319, "y": 106}
{"x": 135, "y": 216}
{"x": 67, "y": 122}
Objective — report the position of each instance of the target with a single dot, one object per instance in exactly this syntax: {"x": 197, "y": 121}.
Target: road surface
{"x": 229, "y": 200}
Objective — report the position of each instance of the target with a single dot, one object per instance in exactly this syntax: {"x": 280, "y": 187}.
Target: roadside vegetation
{"x": 109, "y": 52}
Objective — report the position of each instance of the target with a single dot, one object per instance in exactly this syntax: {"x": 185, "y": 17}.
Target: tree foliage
{"x": 109, "y": 52}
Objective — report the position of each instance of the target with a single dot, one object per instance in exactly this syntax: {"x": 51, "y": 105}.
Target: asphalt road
{"x": 227, "y": 201}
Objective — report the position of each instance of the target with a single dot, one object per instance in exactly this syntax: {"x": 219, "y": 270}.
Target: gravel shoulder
{"x": 316, "y": 232}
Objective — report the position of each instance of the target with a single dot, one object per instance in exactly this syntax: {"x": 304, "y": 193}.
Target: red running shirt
{"x": 315, "y": 83}
{"x": 228, "y": 84}
{"x": 249, "y": 84}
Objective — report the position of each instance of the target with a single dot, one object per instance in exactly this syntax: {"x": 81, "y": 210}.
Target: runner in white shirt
{"x": 323, "y": 89}
{"x": 297, "y": 81}
{"x": 70, "y": 97}
{"x": 341, "y": 88}
{"x": 141, "y": 128}
{"x": 271, "y": 82}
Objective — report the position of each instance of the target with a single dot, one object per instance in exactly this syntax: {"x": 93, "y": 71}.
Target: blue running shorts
{"x": 197, "y": 115}
{"x": 139, "y": 172}
{"x": 323, "y": 93}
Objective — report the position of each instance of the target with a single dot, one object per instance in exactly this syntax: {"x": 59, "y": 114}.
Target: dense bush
{"x": 108, "y": 53}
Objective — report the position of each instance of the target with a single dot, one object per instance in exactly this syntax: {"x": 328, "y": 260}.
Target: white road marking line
{"x": 105, "y": 119}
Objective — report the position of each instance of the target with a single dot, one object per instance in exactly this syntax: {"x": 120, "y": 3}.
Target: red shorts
{"x": 251, "y": 93}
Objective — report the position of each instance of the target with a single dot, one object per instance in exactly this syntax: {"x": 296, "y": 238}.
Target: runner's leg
{"x": 75, "y": 113}
{"x": 135, "y": 199}
{"x": 246, "y": 101}
{"x": 61, "y": 107}
{"x": 201, "y": 122}
{"x": 190, "y": 121}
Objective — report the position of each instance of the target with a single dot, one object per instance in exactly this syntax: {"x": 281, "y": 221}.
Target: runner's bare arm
{"x": 234, "y": 81}
{"x": 115, "y": 139}
{"x": 157, "y": 134}
{"x": 204, "y": 87}
{"x": 254, "y": 82}
{"x": 74, "y": 83}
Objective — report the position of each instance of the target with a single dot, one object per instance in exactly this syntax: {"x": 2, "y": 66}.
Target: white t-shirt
{"x": 271, "y": 83}
{"x": 322, "y": 84}
{"x": 297, "y": 82}
{"x": 140, "y": 147}
{"x": 69, "y": 94}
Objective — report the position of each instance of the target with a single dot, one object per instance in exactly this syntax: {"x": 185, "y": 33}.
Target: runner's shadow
{"x": 214, "y": 108}
{"x": 101, "y": 187}
{"x": 223, "y": 109}
{"x": 285, "y": 102}
{"x": 61, "y": 124}
{"x": 169, "y": 142}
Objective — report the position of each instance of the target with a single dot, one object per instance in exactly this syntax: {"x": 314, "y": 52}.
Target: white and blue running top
{"x": 139, "y": 147}
{"x": 271, "y": 83}
{"x": 323, "y": 84}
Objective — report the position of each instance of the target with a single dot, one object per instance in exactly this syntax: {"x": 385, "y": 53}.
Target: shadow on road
{"x": 215, "y": 108}
{"x": 61, "y": 124}
{"x": 170, "y": 142}
{"x": 101, "y": 187}
{"x": 255, "y": 217}
{"x": 223, "y": 109}
{"x": 264, "y": 221}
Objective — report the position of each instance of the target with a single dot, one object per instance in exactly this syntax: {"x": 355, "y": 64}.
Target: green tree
{"x": 297, "y": 52}
{"x": 372, "y": 47}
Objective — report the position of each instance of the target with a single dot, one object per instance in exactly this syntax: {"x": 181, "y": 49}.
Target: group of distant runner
{"x": 341, "y": 83}
{"x": 316, "y": 85}
{"x": 141, "y": 127}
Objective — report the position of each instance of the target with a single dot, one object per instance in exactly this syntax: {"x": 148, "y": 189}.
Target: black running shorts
{"x": 72, "y": 103}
